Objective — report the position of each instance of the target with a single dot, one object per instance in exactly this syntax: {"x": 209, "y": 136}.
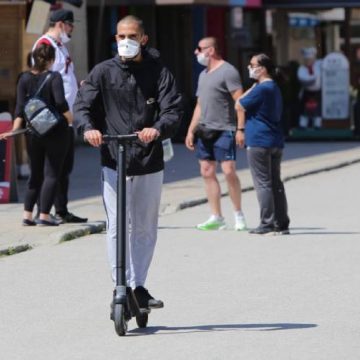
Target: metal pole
{"x": 121, "y": 218}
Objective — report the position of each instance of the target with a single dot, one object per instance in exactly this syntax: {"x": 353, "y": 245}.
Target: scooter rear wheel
{"x": 142, "y": 320}
{"x": 119, "y": 319}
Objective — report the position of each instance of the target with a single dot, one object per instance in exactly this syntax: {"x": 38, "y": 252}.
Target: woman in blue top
{"x": 260, "y": 108}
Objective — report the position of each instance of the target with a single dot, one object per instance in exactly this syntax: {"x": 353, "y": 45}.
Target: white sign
{"x": 38, "y": 17}
{"x": 335, "y": 87}
{"x": 237, "y": 17}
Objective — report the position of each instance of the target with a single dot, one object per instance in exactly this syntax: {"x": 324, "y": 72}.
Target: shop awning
{"x": 307, "y": 4}
{"x": 303, "y": 20}
{"x": 77, "y": 3}
{"x": 244, "y": 3}
{"x": 247, "y": 3}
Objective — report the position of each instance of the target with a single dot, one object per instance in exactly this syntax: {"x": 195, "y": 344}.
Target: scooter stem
{"x": 121, "y": 223}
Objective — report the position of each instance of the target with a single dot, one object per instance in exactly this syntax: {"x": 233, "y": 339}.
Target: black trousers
{"x": 264, "y": 166}
{"x": 46, "y": 157}
{"x": 61, "y": 198}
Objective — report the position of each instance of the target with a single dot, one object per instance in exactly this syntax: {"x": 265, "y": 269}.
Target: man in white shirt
{"x": 59, "y": 33}
{"x": 309, "y": 75}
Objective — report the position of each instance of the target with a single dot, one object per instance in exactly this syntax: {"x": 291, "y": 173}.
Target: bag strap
{"x": 42, "y": 84}
{"x": 18, "y": 132}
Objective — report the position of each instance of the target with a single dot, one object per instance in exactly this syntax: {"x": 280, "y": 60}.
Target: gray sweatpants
{"x": 264, "y": 166}
{"x": 143, "y": 201}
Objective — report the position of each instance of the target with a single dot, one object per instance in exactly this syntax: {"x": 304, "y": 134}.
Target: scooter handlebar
{"x": 120, "y": 138}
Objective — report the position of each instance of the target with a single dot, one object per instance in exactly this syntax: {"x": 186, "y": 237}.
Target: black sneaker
{"x": 145, "y": 300}
{"x": 262, "y": 231}
{"x": 70, "y": 218}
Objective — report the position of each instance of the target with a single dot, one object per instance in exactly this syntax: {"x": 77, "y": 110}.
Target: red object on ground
{"x": 5, "y": 159}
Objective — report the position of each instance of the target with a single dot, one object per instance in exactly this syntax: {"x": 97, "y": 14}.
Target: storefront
{"x": 174, "y": 27}
{"x": 330, "y": 27}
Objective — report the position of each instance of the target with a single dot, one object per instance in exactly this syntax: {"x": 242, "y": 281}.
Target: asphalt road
{"x": 85, "y": 178}
{"x": 228, "y": 295}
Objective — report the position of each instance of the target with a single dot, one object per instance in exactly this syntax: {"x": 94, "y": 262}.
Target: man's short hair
{"x": 213, "y": 42}
{"x": 135, "y": 19}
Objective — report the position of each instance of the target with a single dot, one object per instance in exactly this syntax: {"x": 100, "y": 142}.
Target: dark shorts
{"x": 222, "y": 149}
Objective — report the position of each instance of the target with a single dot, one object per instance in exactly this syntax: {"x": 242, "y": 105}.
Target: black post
{"x": 347, "y": 33}
{"x": 99, "y": 38}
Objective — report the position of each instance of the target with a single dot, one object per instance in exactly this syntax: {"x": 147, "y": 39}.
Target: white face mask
{"x": 64, "y": 37}
{"x": 254, "y": 73}
{"x": 202, "y": 59}
{"x": 128, "y": 48}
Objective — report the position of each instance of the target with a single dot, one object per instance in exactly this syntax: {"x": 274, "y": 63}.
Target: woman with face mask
{"x": 46, "y": 153}
{"x": 261, "y": 108}
{"x": 59, "y": 33}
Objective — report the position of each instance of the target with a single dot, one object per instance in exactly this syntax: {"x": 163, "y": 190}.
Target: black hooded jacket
{"x": 123, "y": 97}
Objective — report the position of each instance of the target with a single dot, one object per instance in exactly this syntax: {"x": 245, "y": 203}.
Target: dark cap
{"x": 62, "y": 15}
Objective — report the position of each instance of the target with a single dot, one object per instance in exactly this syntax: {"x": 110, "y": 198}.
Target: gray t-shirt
{"x": 214, "y": 95}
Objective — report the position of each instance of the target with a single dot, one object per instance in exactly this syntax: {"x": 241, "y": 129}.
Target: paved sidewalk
{"x": 176, "y": 195}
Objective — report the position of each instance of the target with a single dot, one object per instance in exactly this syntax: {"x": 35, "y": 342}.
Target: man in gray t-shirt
{"x": 215, "y": 130}
{"x": 214, "y": 93}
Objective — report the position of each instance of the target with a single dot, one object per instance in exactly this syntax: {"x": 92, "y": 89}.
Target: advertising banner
{"x": 335, "y": 87}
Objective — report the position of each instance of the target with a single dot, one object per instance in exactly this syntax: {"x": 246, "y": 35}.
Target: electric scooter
{"x": 124, "y": 305}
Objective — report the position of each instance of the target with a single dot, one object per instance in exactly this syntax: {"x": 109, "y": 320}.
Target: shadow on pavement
{"x": 176, "y": 227}
{"x": 171, "y": 330}
{"x": 319, "y": 231}
{"x": 293, "y": 231}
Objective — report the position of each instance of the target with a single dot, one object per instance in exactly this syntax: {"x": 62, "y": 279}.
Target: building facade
{"x": 278, "y": 27}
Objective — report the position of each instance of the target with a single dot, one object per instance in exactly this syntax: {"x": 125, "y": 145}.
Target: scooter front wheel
{"x": 119, "y": 319}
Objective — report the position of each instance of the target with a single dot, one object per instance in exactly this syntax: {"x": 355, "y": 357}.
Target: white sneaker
{"x": 240, "y": 223}
{"x": 213, "y": 223}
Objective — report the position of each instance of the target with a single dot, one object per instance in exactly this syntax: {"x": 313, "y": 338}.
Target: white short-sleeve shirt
{"x": 64, "y": 65}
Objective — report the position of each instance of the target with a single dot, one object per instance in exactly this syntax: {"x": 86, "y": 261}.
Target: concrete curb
{"x": 14, "y": 250}
{"x": 192, "y": 203}
{"x": 98, "y": 227}
{"x": 62, "y": 236}
{"x": 91, "y": 228}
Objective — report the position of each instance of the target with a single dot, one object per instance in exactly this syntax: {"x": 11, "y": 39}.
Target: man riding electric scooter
{"x": 131, "y": 93}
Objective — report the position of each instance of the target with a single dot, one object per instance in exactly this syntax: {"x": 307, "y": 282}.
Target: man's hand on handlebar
{"x": 148, "y": 135}
{"x": 93, "y": 137}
